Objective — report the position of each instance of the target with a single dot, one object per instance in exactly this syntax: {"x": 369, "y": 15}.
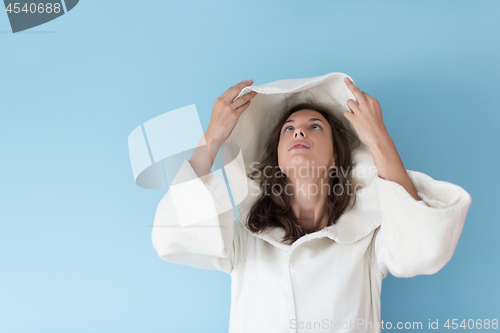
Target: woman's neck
{"x": 308, "y": 201}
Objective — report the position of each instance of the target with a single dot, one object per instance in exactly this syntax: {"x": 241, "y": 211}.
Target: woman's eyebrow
{"x": 312, "y": 119}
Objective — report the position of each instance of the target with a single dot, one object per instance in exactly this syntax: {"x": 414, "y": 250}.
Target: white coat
{"x": 326, "y": 281}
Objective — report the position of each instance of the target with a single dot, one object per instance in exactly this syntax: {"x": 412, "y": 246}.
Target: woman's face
{"x": 309, "y": 126}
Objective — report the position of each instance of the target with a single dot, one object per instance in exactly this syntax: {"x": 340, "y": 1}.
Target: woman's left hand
{"x": 366, "y": 117}
{"x": 367, "y": 121}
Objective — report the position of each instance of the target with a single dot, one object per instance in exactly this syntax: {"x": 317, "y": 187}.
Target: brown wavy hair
{"x": 274, "y": 209}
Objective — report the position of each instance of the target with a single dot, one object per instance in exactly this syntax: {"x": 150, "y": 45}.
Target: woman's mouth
{"x": 299, "y": 147}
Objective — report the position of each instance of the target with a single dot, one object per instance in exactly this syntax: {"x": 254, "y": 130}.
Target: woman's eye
{"x": 292, "y": 127}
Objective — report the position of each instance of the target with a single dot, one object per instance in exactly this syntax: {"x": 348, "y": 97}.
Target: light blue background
{"x": 75, "y": 240}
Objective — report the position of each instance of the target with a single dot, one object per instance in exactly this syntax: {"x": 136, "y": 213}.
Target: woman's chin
{"x": 300, "y": 162}
{"x": 304, "y": 162}
{"x": 301, "y": 159}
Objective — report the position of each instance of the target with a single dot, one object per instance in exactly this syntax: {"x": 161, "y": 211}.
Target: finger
{"x": 348, "y": 115}
{"x": 353, "y": 106}
{"x": 228, "y": 90}
{"x": 355, "y": 91}
{"x": 235, "y": 90}
{"x": 242, "y": 100}
{"x": 372, "y": 100}
{"x": 242, "y": 108}
{"x": 367, "y": 96}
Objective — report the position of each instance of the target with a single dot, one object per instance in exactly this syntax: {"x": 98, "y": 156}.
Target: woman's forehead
{"x": 306, "y": 114}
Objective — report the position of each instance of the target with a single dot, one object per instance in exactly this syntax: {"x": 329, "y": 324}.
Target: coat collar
{"x": 342, "y": 232}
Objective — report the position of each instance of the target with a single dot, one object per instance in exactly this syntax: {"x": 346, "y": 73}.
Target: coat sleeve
{"x": 415, "y": 238}
{"x": 195, "y": 225}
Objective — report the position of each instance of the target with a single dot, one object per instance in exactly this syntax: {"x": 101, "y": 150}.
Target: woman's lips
{"x": 299, "y": 147}
{"x": 302, "y": 143}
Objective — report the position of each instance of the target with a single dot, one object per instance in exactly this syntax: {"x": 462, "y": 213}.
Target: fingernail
{"x": 346, "y": 79}
{"x": 245, "y": 80}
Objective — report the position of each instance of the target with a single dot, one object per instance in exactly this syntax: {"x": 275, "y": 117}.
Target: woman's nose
{"x": 299, "y": 132}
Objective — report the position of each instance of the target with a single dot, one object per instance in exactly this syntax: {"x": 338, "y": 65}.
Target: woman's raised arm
{"x": 195, "y": 223}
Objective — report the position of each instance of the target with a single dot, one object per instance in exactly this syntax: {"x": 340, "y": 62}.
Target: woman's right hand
{"x": 225, "y": 112}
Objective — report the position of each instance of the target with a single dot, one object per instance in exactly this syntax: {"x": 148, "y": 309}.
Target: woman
{"x": 320, "y": 225}
{"x": 314, "y": 184}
